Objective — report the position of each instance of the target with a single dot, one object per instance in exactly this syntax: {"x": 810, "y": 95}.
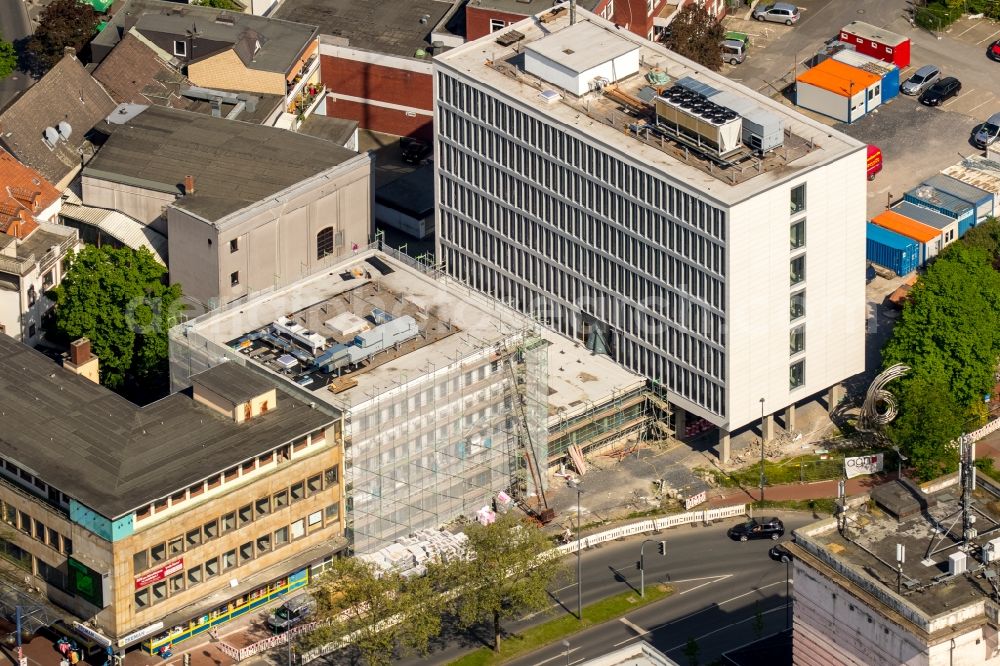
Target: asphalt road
{"x": 718, "y": 584}
{"x": 14, "y": 25}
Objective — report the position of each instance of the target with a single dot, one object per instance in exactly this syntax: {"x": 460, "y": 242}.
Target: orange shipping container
{"x": 906, "y": 226}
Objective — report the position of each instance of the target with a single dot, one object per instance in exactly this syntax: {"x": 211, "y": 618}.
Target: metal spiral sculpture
{"x": 879, "y": 408}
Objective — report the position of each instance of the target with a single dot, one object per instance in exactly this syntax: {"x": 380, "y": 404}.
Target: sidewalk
{"x": 795, "y": 491}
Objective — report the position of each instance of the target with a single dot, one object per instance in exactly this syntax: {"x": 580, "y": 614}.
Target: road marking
{"x": 561, "y": 655}
{"x": 715, "y": 631}
{"x": 973, "y": 25}
{"x": 988, "y": 101}
{"x": 633, "y": 626}
{"x": 956, "y": 98}
{"x": 715, "y": 580}
{"x": 989, "y": 38}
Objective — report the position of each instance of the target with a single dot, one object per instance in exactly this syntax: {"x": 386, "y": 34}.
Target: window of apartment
{"x": 324, "y": 242}
{"x": 280, "y": 499}
{"x": 798, "y": 198}
{"x": 142, "y": 598}
{"x": 333, "y": 512}
{"x": 194, "y": 575}
{"x": 193, "y": 538}
{"x": 262, "y": 506}
{"x": 180, "y": 48}
{"x": 48, "y": 280}
{"x": 332, "y": 475}
{"x": 175, "y": 546}
{"x": 32, "y": 296}
{"x": 797, "y": 305}
{"x": 298, "y": 529}
{"x": 229, "y": 560}
{"x": 798, "y": 234}
{"x": 314, "y": 484}
{"x": 234, "y": 278}
{"x": 298, "y": 492}
{"x": 251, "y": 465}
{"x": 315, "y": 518}
{"x": 159, "y": 591}
{"x": 497, "y": 24}
{"x": 263, "y": 544}
{"x": 229, "y": 522}
{"x": 245, "y": 514}
{"x": 158, "y": 553}
{"x": 234, "y": 245}
{"x": 211, "y": 530}
{"x": 140, "y": 561}
{"x": 797, "y": 340}
{"x": 798, "y": 269}
{"x": 797, "y": 374}
{"x": 177, "y": 583}
{"x": 24, "y": 522}
{"x": 280, "y": 537}
{"x": 53, "y": 538}
{"x": 246, "y": 552}
{"x": 10, "y": 515}
{"x": 40, "y": 530}
{"x": 211, "y": 568}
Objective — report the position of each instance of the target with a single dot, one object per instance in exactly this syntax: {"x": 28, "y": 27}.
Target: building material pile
{"x": 409, "y": 555}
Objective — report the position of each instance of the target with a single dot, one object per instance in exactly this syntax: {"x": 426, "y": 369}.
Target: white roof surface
{"x": 120, "y": 226}
{"x": 582, "y": 46}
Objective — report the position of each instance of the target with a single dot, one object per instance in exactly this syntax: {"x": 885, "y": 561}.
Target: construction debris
{"x": 409, "y": 555}
{"x": 577, "y": 456}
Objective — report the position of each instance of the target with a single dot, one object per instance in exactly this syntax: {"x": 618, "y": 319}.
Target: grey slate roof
{"x": 337, "y": 130}
{"x": 114, "y": 456}
{"x": 374, "y": 25}
{"x": 412, "y": 194}
{"x": 927, "y": 216}
{"x": 281, "y": 42}
{"x": 957, "y": 188}
{"x": 66, "y": 93}
{"x": 235, "y": 164}
{"x": 233, "y": 382}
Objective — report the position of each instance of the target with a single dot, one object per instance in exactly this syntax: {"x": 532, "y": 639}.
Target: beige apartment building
{"x": 154, "y": 524}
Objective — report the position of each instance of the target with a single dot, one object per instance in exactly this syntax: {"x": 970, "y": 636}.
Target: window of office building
{"x": 211, "y": 530}
{"x": 140, "y": 561}
{"x": 280, "y": 499}
{"x": 280, "y": 537}
{"x": 797, "y": 340}
{"x": 142, "y": 598}
{"x": 798, "y": 234}
{"x": 797, "y": 374}
{"x": 298, "y": 529}
{"x": 246, "y": 552}
{"x": 175, "y": 546}
{"x": 797, "y": 305}
{"x": 497, "y": 24}
{"x": 262, "y": 506}
{"x": 228, "y": 560}
{"x": 333, "y": 511}
{"x": 177, "y": 583}
{"x": 798, "y": 199}
{"x": 298, "y": 491}
{"x": 193, "y": 538}
{"x": 324, "y": 242}
{"x": 314, "y": 484}
{"x": 229, "y": 522}
{"x": 245, "y": 515}
{"x": 798, "y": 269}
{"x": 332, "y": 474}
{"x": 158, "y": 553}
{"x": 159, "y": 591}
{"x": 194, "y": 575}
{"x": 264, "y": 543}
{"x": 211, "y": 568}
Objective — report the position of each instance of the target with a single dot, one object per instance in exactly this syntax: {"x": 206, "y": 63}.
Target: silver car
{"x": 778, "y": 12}
{"x": 988, "y": 132}
{"x": 921, "y": 80}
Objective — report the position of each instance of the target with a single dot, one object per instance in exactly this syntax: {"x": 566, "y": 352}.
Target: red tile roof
{"x": 23, "y": 194}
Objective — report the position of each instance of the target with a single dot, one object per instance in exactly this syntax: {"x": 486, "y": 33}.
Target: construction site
{"x": 453, "y": 402}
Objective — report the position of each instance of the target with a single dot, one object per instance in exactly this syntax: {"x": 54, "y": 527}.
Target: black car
{"x": 757, "y": 528}
{"x": 941, "y": 91}
{"x": 414, "y": 150}
{"x": 994, "y": 51}
{"x": 779, "y": 553}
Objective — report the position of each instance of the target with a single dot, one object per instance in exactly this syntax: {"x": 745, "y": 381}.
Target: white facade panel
{"x": 824, "y": 101}
{"x": 579, "y": 83}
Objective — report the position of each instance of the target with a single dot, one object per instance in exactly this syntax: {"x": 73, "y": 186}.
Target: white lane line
{"x": 973, "y": 25}
{"x": 715, "y": 631}
{"x": 988, "y": 101}
{"x": 633, "y": 626}
{"x": 716, "y": 579}
{"x": 561, "y": 655}
{"x": 956, "y": 98}
{"x": 692, "y": 580}
{"x": 989, "y": 38}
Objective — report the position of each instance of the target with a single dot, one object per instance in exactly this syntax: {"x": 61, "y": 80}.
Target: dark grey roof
{"x": 529, "y": 8}
{"x": 281, "y": 42}
{"x": 373, "y": 25}
{"x": 924, "y": 215}
{"x": 67, "y": 93}
{"x": 337, "y": 130}
{"x": 235, "y": 164}
{"x": 233, "y": 383}
{"x": 412, "y": 194}
{"x": 114, "y": 456}
{"x": 962, "y": 190}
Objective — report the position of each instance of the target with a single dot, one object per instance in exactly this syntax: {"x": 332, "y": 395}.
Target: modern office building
{"x": 157, "y": 523}
{"x": 700, "y": 233}
{"x": 449, "y": 396}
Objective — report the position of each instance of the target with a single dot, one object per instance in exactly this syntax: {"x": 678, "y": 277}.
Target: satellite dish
{"x": 65, "y": 130}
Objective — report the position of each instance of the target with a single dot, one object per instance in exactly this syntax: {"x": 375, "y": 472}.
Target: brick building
{"x": 184, "y": 513}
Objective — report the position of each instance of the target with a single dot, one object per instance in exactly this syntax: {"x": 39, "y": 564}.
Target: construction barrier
{"x": 239, "y": 654}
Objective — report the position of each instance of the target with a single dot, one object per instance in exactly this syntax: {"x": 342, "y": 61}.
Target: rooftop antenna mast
{"x": 967, "y": 476}
{"x": 572, "y": 12}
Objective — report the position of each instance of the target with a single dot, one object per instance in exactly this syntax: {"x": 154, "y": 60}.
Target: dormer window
{"x": 180, "y": 48}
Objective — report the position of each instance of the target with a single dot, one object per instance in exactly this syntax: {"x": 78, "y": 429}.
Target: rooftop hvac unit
{"x": 957, "y": 563}
{"x": 991, "y": 551}
{"x": 693, "y": 118}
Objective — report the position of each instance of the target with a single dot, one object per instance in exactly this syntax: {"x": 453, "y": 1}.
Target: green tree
{"x": 119, "y": 299}
{"x": 62, "y": 23}
{"x": 696, "y": 34}
{"x": 220, "y": 4}
{"x": 928, "y": 421}
{"x": 505, "y": 575}
{"x": 8, "y": 59}
{"x": 985, "y": 236}
{"x": 378, "y": 610}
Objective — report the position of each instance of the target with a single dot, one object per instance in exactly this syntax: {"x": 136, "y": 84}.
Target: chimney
{"x": 188, "y": 184}
{"x": 69, "y": 51}
{"x": 81, "y": 362}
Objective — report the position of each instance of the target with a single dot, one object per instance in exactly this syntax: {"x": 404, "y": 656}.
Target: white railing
{"x": 239, "y": 654}
{"x": 990, "y": 427}
{"x": 654, "y": 526}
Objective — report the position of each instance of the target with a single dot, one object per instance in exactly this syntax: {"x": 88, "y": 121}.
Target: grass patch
{"x": 827, "y": 506}
{"x": 800, "y": 469}
{"x": 549, "y": 632}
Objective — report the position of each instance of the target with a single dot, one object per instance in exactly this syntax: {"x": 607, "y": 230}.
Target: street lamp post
{"x": 762, "y": 449}
{"x": 900, "y": 459}
{"x": 565, "y": 645}
{"x": 579, "y": 546}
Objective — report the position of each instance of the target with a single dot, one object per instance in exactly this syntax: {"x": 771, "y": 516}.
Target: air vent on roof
{"x": 225, "y": 19}
{"x": 510, "y": 37}
{"x": 550, "y": 96}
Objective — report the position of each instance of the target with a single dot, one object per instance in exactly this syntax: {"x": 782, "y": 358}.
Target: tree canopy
{"x": 696, "y": 34}
{"x": 949, "y": 337}
{"x": 62, "y": 23}
{"x": 220, "y": 4}
{"x": 505, "y": 576}
{"x": 118, "y": 299}
{"x": 378, "y": 610}
{"x": 8, "y": 59}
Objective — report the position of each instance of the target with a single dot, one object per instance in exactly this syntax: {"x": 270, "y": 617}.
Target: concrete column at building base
{"x": 680, "y": 422}
{"x": 724, "y": 446}
{"x": 833, "y": 397}
{"x": 767, "y": 428}
{"x": 789, "y": 418}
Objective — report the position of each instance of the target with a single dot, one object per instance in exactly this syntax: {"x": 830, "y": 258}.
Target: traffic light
{"x": 662, "y": 547}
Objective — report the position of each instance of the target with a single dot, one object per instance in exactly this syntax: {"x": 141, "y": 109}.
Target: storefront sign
{"x": 101, "y": 639}
{"x": 139, "y": 634}
{"x": 862, "y": 465}
{"x": 156, "y": 575}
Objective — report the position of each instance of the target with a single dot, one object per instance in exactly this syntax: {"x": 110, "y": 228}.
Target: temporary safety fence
{"x": 239, "y": 654}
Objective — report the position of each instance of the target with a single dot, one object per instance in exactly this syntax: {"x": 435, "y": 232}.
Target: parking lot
{"x": 916, "y": 141}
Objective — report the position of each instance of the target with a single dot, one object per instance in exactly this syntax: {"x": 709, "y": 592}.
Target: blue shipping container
{"x": 931, "y": 197}
{"x": 980, "y": 199}
{"x": 891, "y": 250}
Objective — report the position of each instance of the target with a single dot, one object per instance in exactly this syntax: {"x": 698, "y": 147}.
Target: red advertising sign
{"x": 156, "y": 575}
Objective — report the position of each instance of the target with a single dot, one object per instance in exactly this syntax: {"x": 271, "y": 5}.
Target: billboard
{"x": 862, "y": 465}
{"x": 157, "y": 575}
